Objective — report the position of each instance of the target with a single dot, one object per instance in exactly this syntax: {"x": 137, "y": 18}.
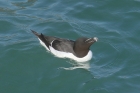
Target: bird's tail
{"x": 41, "y": 37}
{"x": 35, "y": 33}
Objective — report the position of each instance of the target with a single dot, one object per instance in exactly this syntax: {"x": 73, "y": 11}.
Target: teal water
{"x": 26, "y": 67}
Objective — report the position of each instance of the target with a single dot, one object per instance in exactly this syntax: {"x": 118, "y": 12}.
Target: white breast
{"x": 61, "y": 54}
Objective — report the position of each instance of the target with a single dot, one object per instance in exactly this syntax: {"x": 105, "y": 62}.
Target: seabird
{"x": 78, "y": 50}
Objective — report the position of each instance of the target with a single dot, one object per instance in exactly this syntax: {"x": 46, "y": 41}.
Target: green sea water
{"x": 26, "y": 66}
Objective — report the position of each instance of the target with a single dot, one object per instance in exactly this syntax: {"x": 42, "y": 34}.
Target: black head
{"x": 82, "y": 45}
{"x": 84, "y": 42}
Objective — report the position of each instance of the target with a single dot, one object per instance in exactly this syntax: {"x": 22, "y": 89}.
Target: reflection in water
{"x": 76, "y": 65}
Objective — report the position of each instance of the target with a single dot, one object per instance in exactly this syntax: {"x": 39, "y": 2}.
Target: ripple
{"x": 24, "y": 5}
{"x": 115, "y": 63}
{"x": 77, "y": 65}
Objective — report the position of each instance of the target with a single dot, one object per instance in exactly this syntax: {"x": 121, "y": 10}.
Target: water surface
{"x": 26, "y": 67}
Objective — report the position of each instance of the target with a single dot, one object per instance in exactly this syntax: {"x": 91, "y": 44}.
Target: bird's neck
{"x": 79, "y": 52}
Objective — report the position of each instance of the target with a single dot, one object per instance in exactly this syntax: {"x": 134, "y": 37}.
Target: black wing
{"x": 63, "y": 45}
{"x": 59, "y": 44}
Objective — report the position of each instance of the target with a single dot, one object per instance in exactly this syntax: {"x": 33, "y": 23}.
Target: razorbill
{"x": 78, "y": 50}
